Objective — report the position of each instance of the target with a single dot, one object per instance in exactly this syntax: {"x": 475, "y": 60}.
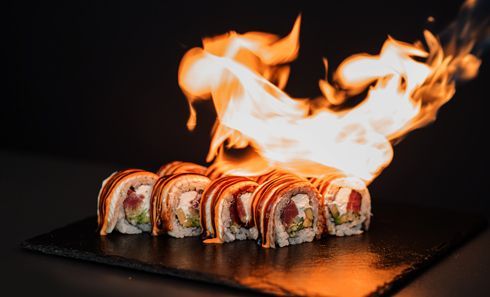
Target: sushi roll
{"x": 124, "y": 202}
{"x": 346, "y": 204}
{"x": 226, "y": 210}
{"x": 286, "y": 211}
{"x": 175, "y": 204}
{"x": 181, "y": 167}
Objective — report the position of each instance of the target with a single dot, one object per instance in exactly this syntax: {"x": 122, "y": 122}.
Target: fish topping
{"x": 244, "y": 207}
{"x": 354, "y": 204}
{"x": 234, "y": 215}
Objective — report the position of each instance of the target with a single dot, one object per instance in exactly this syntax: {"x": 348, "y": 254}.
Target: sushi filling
{"x": 188, "y": 209}
{"x": 137, "y": 205}
{"x": 345, "y": 207}
{"x": 240, "y": 212}
{"x": 236, "y": 217}
{"x": 297, "y": 215}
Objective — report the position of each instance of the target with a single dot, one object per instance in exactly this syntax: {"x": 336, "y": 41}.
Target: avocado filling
{"x": 339, "y": 219}
{"x": 142, "y": 218}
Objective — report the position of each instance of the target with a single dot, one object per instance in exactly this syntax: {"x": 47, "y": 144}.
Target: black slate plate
{"x": 402, "y": 242}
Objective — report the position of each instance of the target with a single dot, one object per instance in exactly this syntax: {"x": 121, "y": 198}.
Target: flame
{"x": 244, "y": 75}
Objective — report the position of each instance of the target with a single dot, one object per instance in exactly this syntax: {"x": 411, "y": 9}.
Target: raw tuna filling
{"x": 240, "y": 211}
{"x": 297, "y": 214}
{"x": 188, "y": 209}
{"x": 346, "y": 206}
{"x": 137, "y": 204}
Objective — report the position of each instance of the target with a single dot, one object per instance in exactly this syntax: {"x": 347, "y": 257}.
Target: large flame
{"x": 244, "y": 75}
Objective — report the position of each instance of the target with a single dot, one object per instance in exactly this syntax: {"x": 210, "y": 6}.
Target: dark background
{"x": 97, "y": 81}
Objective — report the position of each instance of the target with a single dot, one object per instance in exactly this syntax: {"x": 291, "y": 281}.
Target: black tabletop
{"x": 42, "y": 193}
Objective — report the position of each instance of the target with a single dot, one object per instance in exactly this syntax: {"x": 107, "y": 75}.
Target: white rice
{"x": 180, "y": 231}
{"x": 347, "y": 229}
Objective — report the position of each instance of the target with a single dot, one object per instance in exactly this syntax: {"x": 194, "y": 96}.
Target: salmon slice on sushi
{"x": 226, "y": 210}
{"x": 286, "y": 211}
{"x": 175, "y": 203}
{"x": 124, "y": 202}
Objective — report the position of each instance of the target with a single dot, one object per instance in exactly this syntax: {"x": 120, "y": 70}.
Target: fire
{"x": 244, "y": 75}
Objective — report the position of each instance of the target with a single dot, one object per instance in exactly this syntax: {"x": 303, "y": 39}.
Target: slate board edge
{"x": 434, "y": 256}
{"x": 116, "y": 261}
{"x": 388, "y": 288}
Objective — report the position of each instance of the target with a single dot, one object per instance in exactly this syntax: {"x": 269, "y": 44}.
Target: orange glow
{"x": 244, "y": 75}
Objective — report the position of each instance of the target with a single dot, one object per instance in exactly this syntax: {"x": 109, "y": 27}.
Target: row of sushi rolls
{"x": 276, "y": 209}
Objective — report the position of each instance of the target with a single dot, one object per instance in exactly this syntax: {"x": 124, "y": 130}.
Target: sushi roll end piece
{"x": 124, "y": 202}
{"x": 347, "y": 206}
